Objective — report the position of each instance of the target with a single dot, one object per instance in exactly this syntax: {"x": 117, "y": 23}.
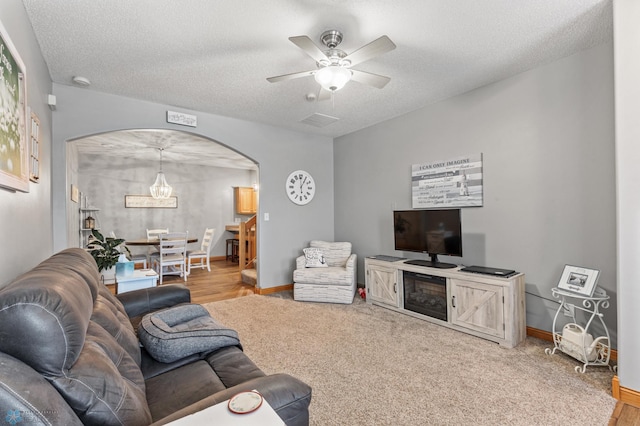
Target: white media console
{"x": 486, "y": 306}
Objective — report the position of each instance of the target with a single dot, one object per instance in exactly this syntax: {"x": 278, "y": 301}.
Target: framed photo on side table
{"x": 579, "y": 280}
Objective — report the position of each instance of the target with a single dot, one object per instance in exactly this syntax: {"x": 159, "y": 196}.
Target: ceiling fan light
{"x": 333, "y": 77}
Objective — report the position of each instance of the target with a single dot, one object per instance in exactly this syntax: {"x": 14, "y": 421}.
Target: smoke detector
{"x": 81, "y": 81}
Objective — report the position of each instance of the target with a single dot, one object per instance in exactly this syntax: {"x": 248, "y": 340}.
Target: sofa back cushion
{"x": 335, "y": 254}
{"x": 110, "y": 314}
{"x": 28, "y": 398}
{"x": 79, "y": 262}
{"x": 105, "y": 385}
{"x": 45, "y": 322}
{"x": 44, "y": 315}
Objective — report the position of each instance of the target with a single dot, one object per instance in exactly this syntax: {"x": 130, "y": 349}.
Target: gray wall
{"x": 205, "y": 197}
{"x": 277, "y": 151}
{"x": 547, "y": 141}
{"x": 25, "y": 218}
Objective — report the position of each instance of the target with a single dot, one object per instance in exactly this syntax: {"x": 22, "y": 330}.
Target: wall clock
{"x": 300, "y": 187}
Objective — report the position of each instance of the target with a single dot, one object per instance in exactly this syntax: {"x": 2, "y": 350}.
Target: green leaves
{"x": 105, "y": 250}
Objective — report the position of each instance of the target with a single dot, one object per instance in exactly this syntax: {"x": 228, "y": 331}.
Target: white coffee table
{"x": 220, "y": 415}
{"x": 141, "y": 278}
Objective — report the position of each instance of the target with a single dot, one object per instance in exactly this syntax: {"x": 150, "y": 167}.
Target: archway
{"x": 105, "y": 168}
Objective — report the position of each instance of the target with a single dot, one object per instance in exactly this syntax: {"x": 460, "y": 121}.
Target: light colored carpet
{"x": 371, "y": 366}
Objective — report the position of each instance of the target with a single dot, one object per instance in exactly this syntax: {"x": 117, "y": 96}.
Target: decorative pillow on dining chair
{"x": 314, "y": 258}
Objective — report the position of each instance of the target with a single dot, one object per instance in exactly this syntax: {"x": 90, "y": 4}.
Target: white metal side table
{"x": 574, "y": 339}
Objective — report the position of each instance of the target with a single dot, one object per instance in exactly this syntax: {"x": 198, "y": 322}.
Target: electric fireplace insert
{"x": 425, "y": 294}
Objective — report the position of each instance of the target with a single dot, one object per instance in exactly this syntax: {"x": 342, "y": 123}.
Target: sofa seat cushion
{"x": 327, "y": 276}
{"x": 181, "y": 331}
{"x": 232, "y": 366}
{"x": 151, "y": 367}
{"x": 181, "y": 387}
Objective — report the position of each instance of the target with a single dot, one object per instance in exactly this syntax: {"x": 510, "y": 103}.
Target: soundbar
{"x": 485, "y": 270}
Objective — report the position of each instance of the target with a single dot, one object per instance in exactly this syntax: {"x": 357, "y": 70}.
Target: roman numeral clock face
{"x": 300, "y": 187}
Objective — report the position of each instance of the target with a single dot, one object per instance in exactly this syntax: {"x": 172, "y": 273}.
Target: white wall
{"x": 549, "y": 197}
{"x": 83, "y": 112}
{"x": 25, "y": 218}
{"x": 626, "y": 15}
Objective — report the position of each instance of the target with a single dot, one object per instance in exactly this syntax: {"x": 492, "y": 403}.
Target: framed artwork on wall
{"x": 34, "y": 149}
{"x": 14, "y": 149}
{"x": 75, "y": 193}
{"x": 579, "y": 280}
{"x": 146, "y": 201}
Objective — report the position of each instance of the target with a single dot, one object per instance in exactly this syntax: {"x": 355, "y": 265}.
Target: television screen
{"x": 428, "y": 231}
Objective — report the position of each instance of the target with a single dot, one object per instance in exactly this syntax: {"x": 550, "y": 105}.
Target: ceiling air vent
{"x": 319, "y": 120}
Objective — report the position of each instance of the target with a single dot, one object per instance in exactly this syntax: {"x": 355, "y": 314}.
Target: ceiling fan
{"x": 334, "y": 65}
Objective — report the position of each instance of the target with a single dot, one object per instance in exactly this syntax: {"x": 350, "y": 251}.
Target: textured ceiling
{"x": 180, "y": 147}
{"x": 215, "y": 56}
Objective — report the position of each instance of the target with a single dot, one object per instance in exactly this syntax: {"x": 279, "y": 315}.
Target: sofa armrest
{"x": 300, "y": 262}
{"x": 288, "y": 396}
{"x": 351, "y": 267}
{"x": 351, "y": 262}
{"x": 143, "y": 301}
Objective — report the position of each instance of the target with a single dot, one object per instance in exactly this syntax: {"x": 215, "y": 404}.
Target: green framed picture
{"x": 14, "y": 151}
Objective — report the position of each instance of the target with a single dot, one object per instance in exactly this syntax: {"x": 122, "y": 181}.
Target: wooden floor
{"x": 224, "y": 282}
{"x": 625, "y": 415}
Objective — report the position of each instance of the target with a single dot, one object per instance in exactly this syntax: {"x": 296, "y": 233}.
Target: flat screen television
{"x": 429, "y": 231}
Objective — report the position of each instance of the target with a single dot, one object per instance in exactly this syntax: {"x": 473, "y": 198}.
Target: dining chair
{"x": 172, "y": 251}
{"x": 152, "y": 234}
{"x": 135, "y": 258}
{"x": 202, "y": 255}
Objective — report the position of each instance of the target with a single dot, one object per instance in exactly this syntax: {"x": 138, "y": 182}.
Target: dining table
{"x": 153, "y": 241}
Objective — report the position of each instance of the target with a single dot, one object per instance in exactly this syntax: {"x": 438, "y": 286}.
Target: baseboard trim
{"x": 625, "y": 395}
{"x": 548, "y": 336}
{"x": 271, "y": 290}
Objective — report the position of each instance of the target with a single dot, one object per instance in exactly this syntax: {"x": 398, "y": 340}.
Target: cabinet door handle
{"x": 453, "y": 301}
{"x": 395, "y": 288}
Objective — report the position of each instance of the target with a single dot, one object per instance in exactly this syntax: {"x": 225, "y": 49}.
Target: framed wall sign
{"x": 182, "y": 119}
{"x": 147, "y": 201}
{"x": 579, "y": 280}
{"x": 14, "y": 149}
{"x": 456, "y": 182}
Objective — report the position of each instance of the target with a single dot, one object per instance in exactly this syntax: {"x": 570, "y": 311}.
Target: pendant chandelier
{"x": 160, "y": 188}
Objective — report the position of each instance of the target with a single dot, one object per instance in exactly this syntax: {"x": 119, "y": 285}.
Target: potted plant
{"x": 106, "y": 251}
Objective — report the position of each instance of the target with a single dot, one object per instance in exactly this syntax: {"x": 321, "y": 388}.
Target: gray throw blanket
{"x": 180, "y": 331}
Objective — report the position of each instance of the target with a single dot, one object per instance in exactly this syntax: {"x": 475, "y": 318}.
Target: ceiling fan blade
{"x": 310, "y": 48}
{"x": 370, "y": 79}
{"x": 376, "y": 47}
{"x": 290, "y": 76}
